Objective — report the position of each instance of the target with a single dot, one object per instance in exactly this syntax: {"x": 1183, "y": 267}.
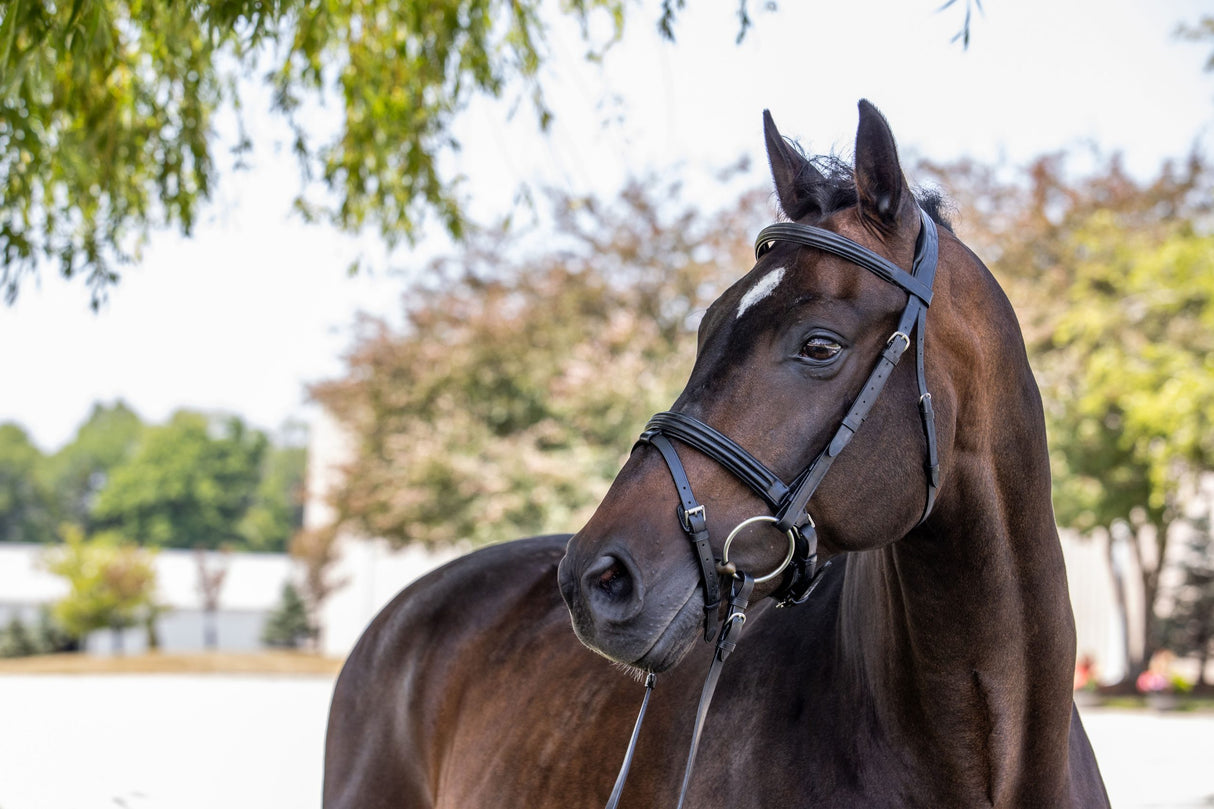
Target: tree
{"x": 108, "y": 109}
{"x": 112, "y": 582}
{"x": 212, "y": 569}
{"x": 287, "y": 627}
{"x": 188, "y": 484}
{"x": 26, "y": 513}
{"x": 16, "y": 640}
{"x": 78, "y": 471}
{"x": 276, "y": 511}
{"x": 1203, "y": 29}
{"x": 317, "y": 550}
{"x": 1114, "y": 279}
{"x": 507, "y": 403}
{"x": 1189, "y": 627}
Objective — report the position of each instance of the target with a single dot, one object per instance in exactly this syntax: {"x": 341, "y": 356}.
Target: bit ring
{"x": 792, "y": 545}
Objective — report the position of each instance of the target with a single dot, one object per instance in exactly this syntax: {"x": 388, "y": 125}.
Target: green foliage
{"x": 188, "y": 484}
{"x": 50, "y": 637}
{"x": 46, "y": 637}
{"x": 197, "y": 481}
{"x": 276, "y": 511}
{"x": 16, "y": 640}
{"x": 112, "y": 582}
{"x": 79, "y": 471}
{"x": 26, "y": 513}
{"x": 107, "y": 110}
{"x": 508, "y": 402}
{"x": 1203, "y": 29}
{"x": 1132, "y": 357}
{"x": 105, "y": 117}
{"x": 1114, "y": 282}
{"x": 288, "y": 627}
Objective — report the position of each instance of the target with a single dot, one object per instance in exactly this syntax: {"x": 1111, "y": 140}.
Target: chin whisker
{"x": 635, "y": 672}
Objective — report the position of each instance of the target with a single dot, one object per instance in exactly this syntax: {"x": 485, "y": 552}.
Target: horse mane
{"x": 833, "y": 188}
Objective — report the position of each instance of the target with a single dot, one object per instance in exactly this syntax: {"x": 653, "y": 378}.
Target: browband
{"x": 844, "y": 247}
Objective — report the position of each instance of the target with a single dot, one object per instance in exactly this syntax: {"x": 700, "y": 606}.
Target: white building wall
{"x": 25, "y": 584}
{"x": 1098, "y": 623}
{"x": 252, "y": 588}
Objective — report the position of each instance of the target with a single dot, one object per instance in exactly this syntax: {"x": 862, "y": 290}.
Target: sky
{"x": 256, "y": 305}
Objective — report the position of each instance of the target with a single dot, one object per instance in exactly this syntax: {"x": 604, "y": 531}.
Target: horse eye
{"x": 821, "y": 349}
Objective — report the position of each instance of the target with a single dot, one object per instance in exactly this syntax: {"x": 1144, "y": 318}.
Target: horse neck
{"x": 961, "y": 635}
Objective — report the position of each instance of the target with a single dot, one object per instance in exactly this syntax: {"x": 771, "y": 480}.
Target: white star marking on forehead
{"x": 762, "y": 288}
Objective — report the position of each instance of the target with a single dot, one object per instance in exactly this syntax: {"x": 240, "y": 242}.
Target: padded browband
{"x": 847, "y": 249}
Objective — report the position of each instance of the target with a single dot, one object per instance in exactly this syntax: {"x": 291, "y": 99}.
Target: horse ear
{"x": 794, "y": 176}
{"x": 884, "y": 197}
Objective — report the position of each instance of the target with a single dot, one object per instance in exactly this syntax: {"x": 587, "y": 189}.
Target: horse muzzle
{"x": 614, "y": 611}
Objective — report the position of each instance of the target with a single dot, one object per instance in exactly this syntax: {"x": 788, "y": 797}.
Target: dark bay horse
{"x": 930, "y": 662}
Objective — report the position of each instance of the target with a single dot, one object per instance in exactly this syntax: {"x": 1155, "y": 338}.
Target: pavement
{"x": 250, "y": 742}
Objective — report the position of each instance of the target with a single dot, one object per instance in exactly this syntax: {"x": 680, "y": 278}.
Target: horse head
{"x": 785, "y": 370}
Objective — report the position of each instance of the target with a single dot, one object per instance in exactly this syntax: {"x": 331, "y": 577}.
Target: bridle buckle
{"x": 693, "y": 520}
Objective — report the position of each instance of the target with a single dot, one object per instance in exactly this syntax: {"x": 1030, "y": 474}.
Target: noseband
{"x": 789, "y": 502}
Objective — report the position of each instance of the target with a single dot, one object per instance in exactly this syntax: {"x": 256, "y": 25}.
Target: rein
{"x": 742, "y": 586}
{"x": 789, "y": 502}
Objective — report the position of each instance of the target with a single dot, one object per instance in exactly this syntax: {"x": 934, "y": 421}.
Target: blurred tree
{"x": 212, "y": 569}
{"x": 107, "y": 110}
{"x": 78, "y": 471}
{"x": 26, "y": 513}
{"x": 316, "y": 549}
{"x": 1114, "y": 280}
{"x": 1189, "y": 628}
{"x": 276, "y": 511}
{"x": 49, "y": 635}
{"x": 111, "y": 583}
{"x": 189, "y": 484}
{"x": 287, "y": 627}
{"x": 16, "y": 640}
{"x": 509, "y": 400}
{"x": 108, "y": 107}
{"x": 1201, "y": 30}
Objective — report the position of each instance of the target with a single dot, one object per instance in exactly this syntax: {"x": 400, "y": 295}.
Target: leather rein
{"x": 789, "y": 502}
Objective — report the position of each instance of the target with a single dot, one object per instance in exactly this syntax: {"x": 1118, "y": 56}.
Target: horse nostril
{"x": 608, "y": 577}
{"x": 615, "y": 582}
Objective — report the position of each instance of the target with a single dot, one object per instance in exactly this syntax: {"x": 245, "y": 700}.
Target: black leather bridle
{"x": 789, "y": 502}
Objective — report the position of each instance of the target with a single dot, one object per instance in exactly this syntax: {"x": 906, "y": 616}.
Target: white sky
{"x": 256, "y": 305}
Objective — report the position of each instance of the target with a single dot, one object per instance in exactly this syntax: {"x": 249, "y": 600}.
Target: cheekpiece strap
{"x": 694, "y": 520}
